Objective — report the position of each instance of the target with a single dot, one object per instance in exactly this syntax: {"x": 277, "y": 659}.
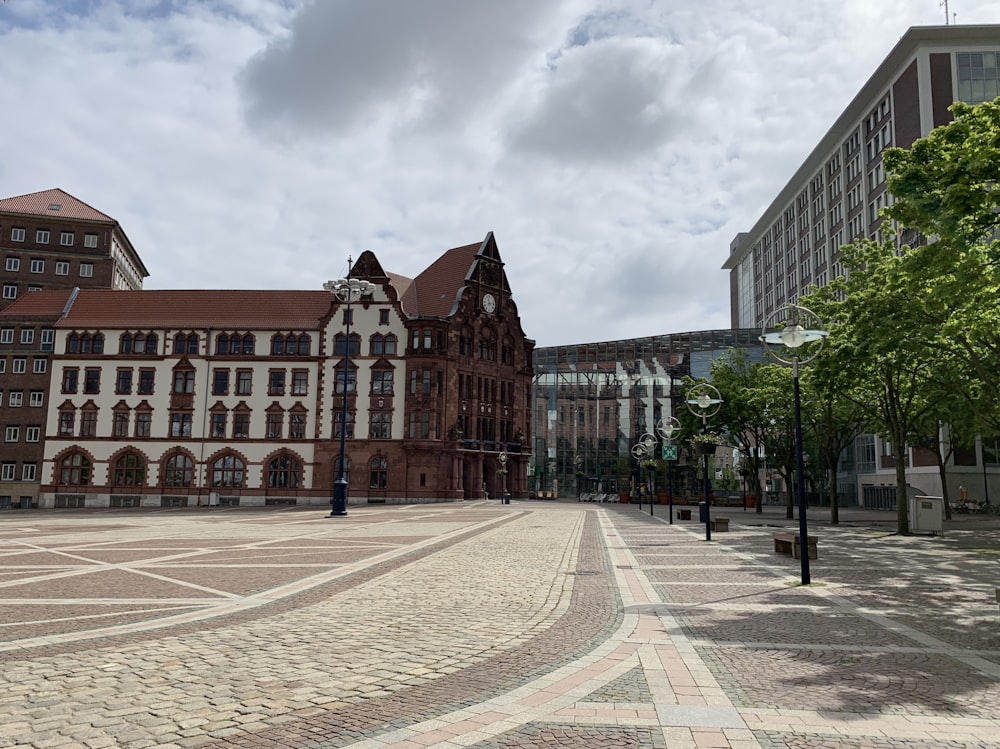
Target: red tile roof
{"x": 44, "y": 204}
{"x": 434, "y": 292}
{"x": 39, "y": 303}
{"x": 200, "y": 308}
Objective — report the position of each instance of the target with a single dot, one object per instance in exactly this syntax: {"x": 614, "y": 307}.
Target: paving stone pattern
{"x": 487, "y": 625}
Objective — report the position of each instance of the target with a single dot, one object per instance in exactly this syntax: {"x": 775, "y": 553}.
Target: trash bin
{"x": 506, "y": 499}
{"x": 702, "y": 512}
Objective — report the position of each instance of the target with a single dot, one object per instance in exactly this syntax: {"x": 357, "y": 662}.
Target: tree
{"x": 866, "y": 312}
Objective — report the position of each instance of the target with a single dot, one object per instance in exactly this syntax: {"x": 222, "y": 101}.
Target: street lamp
{"x": 793, "y": 326}
{"x": 502, "y": 457}
{"x": 667, "y": 428}
{"x": 703, "y": 401}
{"x": 345, "y": 290}
{"x": 645, "y": 449}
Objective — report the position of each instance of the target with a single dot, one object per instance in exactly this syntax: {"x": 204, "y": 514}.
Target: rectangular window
{"x": 11, "y": 434}
{"x": 351, "y": 381}
{"x": 67, "y": 421}
{"x": 7, "y": 471}
{"x": 180, "y": 425}
{"x": 27, "y": 335}
{"x": 6, "y": 335}
{"x": 86, "y": 270}
{"x": 244, "y": 381}
{"x": 39, "y": 365}
{"x": 183, "y": 381}
{"x": 28, "y": 472}
{"x": 16, "y": 235}
{"x": 91, "y": 380}
{"x": 13, "y": 264}
{"x": 380, "y": 425}
{"x": 19, "y": 365}
{"x": 382, "y": 382}
{"x": 66, "y": 239}
{"x": 88, "y": 423}
{"x": 42, "y": 236}
{"x": 218, "y": 425}
{"x": 90, "y": 240}
{"x": 37, "y": 265}
{"x": 119, "y": 424}
{"x": 123, "y": 381}
{"x": 220, "y": 382}
{"x": 274, "y": 426}
{"x": 147, "y": 379}
{"x": 36, "y": 398}
{"x": 300, "y": 382}
{"x": 276, "y": 382}
{"x": 338, "y": 422}
{"x": 143, "y": 424}
{"x": 48, "y": 339}
{"x": 32, "y": 434}
{"x": 15, "y": 399}
{"x": 383, "y": 316}
{"x": 241, "y": 426}
{"x": 297, "y": 427}
{"x": 62, "y": 268}
{"x": 10, "y": 291}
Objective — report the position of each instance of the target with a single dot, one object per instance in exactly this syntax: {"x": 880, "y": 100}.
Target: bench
{"x": 788, "y": 543}
{"x": 684, "y": 514}
{"x": 720, "y": 525}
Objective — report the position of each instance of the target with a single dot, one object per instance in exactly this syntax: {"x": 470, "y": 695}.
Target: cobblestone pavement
{"x": 487, "y": 625}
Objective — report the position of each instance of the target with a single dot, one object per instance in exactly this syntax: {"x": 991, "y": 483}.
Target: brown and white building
{"x": 180, "y": 398}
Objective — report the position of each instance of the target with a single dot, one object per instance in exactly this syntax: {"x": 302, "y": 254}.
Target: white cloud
{"x": 614, "y": 146}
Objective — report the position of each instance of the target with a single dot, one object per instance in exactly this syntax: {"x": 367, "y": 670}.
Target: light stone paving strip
{"x": 434, "y": 616}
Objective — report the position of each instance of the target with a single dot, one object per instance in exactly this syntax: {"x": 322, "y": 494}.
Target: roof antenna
{"x": 944, "y": 4}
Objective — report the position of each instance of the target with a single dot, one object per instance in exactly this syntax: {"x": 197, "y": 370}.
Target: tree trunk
{"x": 834, "y": 501}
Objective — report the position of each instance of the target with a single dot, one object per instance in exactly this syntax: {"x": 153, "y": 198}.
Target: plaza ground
{"x": 479, "y": 624}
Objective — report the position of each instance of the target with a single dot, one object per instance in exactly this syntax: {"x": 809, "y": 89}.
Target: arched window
{"x": 125, "y": 344}
{"x": 292, "y": 345}
{"x": 222, "y": 344}
{"x": 277, "y": 345}
{"x": 248, "y": 344}
{"x": 379, "y": 472}
{"x": 72, "y": 343}
{"x": 235, "y": 344}
{"x": 305, "y": 344}
{"x": 74, "y": 470}
{"x": 85, "y": 341}
{"x": 178, "y": 470}
{"x": 130, "y": 470}
{"x": 98, "y": 343}
{"x": 284, "y": 472}
{"x": 227, "y": 471}
{"x": 340, "y": 344}
{"x": 180, "y": 343}
{"x": 151, "y": 342}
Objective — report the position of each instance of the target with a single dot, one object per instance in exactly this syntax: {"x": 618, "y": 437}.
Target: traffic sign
{"x": 670, "y": 452}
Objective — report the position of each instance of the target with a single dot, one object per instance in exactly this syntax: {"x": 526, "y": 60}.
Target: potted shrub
{"x": 705, "y": 444}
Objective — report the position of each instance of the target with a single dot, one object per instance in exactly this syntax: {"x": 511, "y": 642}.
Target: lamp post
{"x": 502, "y": 457}
{"x": 645, "y": 450}
{"x": 793, "y": 326}
{"x": 703, "y": 401}
{"x": 346, "y": 290}
{"x": 667, "y": 428}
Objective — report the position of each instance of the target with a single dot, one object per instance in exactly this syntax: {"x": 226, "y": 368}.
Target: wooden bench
{"x": 684, "y": 513}
{"x": 720, "y": 525}
{"x": 788, "y": 543}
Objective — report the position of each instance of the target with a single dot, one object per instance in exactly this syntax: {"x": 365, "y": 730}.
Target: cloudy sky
{"x": 614, "y": 147}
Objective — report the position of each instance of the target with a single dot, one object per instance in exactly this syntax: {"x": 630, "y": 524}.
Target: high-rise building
{"x": 836, "y": 194}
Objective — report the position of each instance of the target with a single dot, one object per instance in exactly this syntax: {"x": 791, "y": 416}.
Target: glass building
{"x": 592, "y": 401}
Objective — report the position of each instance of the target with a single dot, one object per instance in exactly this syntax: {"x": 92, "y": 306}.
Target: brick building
{"x": 48, "y": 240}
{"x": 177, "y": 398}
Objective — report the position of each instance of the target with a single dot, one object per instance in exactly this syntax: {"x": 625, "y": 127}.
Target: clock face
{"x": 489, "y": 303}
